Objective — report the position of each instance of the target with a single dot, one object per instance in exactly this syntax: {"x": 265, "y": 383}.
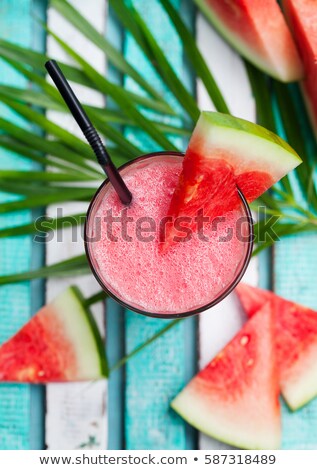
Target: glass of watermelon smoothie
{"x": 127, "y": 256}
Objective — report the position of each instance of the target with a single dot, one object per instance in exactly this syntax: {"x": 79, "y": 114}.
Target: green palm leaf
{"x": 43, "y": 225}
{"x": 141, "y": 33}
{"x": 196, "y": 59}
{"x": 113, "y": 55}
{"x": 296, "y": 138}
{"x": 119, "y": 98}
{"x": 55, "y": 148}
{"x": 45, "y": 176}
{"x": 75, "y": 143}
{"x": 146, "y": 343}
{"x": 72, "y": 267}
{"x": 32, "y": 97}
{"x": 35, "y": 117}
{"x": 104, "y": 115}
{"x": 13, "y": 144}
{"x": 20, "y": 58}
{"x": 46, "y": 198}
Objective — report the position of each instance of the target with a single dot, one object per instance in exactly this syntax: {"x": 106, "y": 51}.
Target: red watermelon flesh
{"x": 258, "y": 30}
{"x": 225, "y": 152}
{"x": 252, "y": 298}
{"x": 302, "y": 16}
{"x": 296, "y": 342}
{"x": 208, "y": 187}
{"x": 235, "y": 398}
{"x": 60, "y": 343}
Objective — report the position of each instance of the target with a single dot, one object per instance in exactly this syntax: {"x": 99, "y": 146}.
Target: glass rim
{"x": 195, "y": 311}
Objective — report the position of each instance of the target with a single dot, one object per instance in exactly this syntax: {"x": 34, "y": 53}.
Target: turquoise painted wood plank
{"x": 157, "y": 374}
{"x": 19, "y": 405}
{"x": 294, "y": 277}
{"x": 116, "y": 383}
{"x": 37, "y": 397}
{"x": 265, "y": 259}
{"x": 115, "y": 327}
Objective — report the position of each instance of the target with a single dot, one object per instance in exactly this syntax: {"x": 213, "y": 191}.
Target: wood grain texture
{"x": 155, "y": 376}
{"x": 76, "y": 414}
{"x": 218, "y": 326}
{"x": 16, "y": 413}
{"x": 37, "y": 398}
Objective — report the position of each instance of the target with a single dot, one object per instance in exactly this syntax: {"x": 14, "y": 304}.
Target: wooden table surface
{"x": 132, "y": 409}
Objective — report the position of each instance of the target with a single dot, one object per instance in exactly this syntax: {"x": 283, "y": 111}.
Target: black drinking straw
{"x": 89, "y": 131}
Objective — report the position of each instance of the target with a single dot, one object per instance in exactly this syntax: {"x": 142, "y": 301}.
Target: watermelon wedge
{"x": 235, "y": 398}
{"x": 302, "y": 17}
{"x": 296, "y": 342}
{"x": 61, "y": 343}
{"x": 223, "y": 152}
{"x": 258, "y": 31}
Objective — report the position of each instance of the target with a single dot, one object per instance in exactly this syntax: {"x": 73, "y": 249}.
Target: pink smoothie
{"x": 187, "y": 276}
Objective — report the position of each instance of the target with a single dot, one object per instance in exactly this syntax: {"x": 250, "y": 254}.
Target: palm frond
{"x": 22, "y": 59}
{"x": 43, "y": 225}
{"x": 134, "y": 23}
{"x": 195, "y": 57}
{"x": 119, "y": 97}
{"x": 72, "y": 267}
{"x": 115, "y": 57}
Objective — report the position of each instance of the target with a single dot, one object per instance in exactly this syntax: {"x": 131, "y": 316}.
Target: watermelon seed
{"x": 244, "y": 340}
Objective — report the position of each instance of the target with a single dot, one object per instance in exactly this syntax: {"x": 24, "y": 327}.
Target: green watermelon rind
{"x": 245, "y": 141}
{"x": 71, "y": 301}
{"x": 302, "y": 391}
{"x": 185, "y": 407}
{"x": 179, "y": 405}
{"x": 232, "y": 123}
{"x": 241, "y": 47}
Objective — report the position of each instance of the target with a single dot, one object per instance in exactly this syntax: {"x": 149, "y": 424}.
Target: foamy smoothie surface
{"x": 132, "y": 265}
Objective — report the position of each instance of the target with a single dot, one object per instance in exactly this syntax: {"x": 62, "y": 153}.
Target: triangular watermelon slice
{"x": 302, "y": 16}
{"x": 225, "y": 152}
{"x": 61, "y": 343}
{"x": 296, "y": 342}
{"x": 258, "y": 31}
{"x": 235, "y": 398}
{"x": 258, "y": 157}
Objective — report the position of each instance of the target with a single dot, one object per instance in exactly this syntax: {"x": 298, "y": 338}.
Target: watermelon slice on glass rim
{"x": 235, "y": 398}
{"x": 259, "y": 32}
{"x": 224, "y": 153}
{"x": 61, "y": 343}
{"x": 296, "y": 342}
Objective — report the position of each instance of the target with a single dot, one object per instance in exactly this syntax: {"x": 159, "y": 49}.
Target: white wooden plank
{"x": 76, "y": 413}
{"x": 228, "y": 70}
{"x": 218, "y": 326}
